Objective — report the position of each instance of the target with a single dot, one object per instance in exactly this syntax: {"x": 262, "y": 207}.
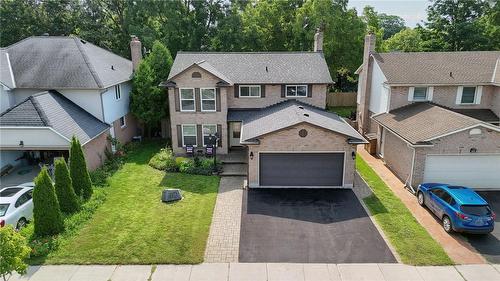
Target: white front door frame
{"x": 234, "y": 130}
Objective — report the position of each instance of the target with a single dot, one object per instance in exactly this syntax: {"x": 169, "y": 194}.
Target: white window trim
{"x": 195, "y": 134}
{"x": 249, "y": 86}
{"x": 296, "y": 96}
{"x": 429, "y": 94}
{"x": 477, "y": 95}
{"x": 118, "y": 92}
{"x": 214, "y": 99}
{"x": 124, "y": 121}
{"x": 203, "y": 133}
{"x": 181, "y": 99}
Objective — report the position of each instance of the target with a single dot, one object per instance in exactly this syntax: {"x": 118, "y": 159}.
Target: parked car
{"x": 459, "y": 208}
{"x": 16, "y": 206}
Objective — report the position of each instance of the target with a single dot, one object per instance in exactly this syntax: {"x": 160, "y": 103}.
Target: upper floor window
{"x": 196, "y": 74}
{"x": 469, "y": 95}
{"x": 250, "y": 91}
{"x": 118, "y": 92}
{"x": 187, "y": 99}
{"x": 420, "y": 93}
{"x": 296, "y": 91}
{"x": 189, "y": 135}
{"x": 208, "y": 99}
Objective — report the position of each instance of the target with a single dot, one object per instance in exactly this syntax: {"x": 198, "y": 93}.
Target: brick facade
{"x": 227, "y": 100}
{"x": 397, "y": 155}
{"x": 288, "y": 139}
{"x": 94, "y": 151}
{"x": 460, "y": 143}
{"x": 125, "y": 134}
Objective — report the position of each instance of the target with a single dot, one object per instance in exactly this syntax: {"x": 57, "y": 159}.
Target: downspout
{"x": 409, "y": 180}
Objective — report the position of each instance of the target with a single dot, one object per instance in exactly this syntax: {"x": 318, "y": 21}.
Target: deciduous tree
{"x": 13, "y": 252}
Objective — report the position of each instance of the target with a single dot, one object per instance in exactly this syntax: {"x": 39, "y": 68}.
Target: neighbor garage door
{"x": 476, "y": 171}
{"x": 301, "y": 169}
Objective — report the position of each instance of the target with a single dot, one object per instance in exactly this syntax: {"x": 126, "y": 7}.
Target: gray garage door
{"x": 301, "y": 169}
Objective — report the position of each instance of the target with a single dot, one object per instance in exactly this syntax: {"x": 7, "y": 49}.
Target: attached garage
{"x": 301, "y": 169}
{"x": 476, "y": 171}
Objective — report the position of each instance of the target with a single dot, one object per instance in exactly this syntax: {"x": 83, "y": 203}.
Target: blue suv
{"x": 459, "y": 208}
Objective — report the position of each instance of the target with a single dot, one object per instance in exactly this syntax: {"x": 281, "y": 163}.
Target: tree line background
{"x": 245, "y": 25}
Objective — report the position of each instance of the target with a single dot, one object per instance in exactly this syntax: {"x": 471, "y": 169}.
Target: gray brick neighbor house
{"x": 433, "y": 116}
{"x": 272, "y": 104}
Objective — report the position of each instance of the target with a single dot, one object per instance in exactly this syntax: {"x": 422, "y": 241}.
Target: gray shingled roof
{"x": 58, "y": 62}
{"x": 258, "y": 122}
{"x": 51, "y": 109}
{"x": 243, "y": 68}
{"x": 418, "y": 123}
{"x": 434, "y": 67}
{"x": 483, "y": 114}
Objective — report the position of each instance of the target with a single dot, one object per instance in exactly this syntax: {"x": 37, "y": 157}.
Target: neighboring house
{"x": 270, "y": 102}
{"x": 434, "y": 115}
{"x": 54, "y": 87}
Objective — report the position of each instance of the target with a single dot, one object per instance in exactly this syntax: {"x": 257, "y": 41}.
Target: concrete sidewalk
{"x": 261, "y": 272}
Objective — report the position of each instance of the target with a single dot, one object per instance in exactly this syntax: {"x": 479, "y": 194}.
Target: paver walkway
{"x": 262, "y": 272}
{"x": 459, "y": 250}
{"x": 224, "y": 238}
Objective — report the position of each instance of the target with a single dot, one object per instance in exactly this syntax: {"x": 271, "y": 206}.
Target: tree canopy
{"x": 250, "y": 25}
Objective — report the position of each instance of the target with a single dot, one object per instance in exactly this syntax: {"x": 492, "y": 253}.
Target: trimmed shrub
{"x": 46, "y": 212}
{"x": 68, "y": 202}
{"x": 78, "y": 170}
{"x": 13, "y": 251}
{"x": 187, "y": 166}
{"x": 164, "y": 160}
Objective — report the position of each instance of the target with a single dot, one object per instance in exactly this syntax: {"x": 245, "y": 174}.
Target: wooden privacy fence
{"x": 341, "y": 99}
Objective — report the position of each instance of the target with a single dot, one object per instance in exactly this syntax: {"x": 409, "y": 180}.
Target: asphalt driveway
{"x": 489, "y": 245}
{"x": 308, "y": 226}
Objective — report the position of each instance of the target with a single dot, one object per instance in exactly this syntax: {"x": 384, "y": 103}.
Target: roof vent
{"x": 267, "y": 70}
{"x": 83, "y": 41}
{"x": 306, "y": 115}
{"x": 112, "y": 67}
{"x": 45, "y": 34}
{"x": 301, "y": 107}
{"x": 451, "y": 74}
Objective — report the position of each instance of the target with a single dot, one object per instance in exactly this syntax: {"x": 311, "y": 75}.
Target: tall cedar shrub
{"x": 68, "y": 202}
{"x": 78, "y": 170}
{"x": 47, "y": 215}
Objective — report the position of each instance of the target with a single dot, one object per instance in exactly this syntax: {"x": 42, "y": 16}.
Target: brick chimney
{"x": 318, "y": 40}
{"x": 365, "y": 80}
{"x": 135, "y": 51}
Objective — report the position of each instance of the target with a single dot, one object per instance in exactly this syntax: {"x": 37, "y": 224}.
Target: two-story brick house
{"x": 270, "y": 102}
{"x": 434, "y": 114}
{"x": 56, "y": 87}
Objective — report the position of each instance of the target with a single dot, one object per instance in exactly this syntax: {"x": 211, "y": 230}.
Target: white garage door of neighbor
{"x": 476, "y": 171}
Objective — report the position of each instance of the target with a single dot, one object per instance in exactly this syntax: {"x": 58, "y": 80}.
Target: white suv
{"x": 16, "y": 205}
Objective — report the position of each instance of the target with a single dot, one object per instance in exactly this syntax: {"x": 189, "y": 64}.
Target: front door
{"x": 234, "y": 133}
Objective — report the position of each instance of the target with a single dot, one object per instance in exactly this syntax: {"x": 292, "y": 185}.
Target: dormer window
{"x": 196, "y": 74}
{"x": 416, "y": 94}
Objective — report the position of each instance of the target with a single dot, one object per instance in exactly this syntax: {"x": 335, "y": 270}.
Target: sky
{"x": 412, "y": 11}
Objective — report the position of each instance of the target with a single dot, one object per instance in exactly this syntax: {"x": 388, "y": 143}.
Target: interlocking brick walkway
{"x": 224, "y": 239}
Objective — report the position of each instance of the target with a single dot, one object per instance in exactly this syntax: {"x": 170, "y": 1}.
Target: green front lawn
{"x": 134, "y": 227}
{"x": 412, "y": 242}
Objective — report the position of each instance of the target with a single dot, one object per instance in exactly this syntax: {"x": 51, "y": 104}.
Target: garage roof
{"x": 420, "y": 122}
{"x": 52, "y": 109}
{"x": 258, "y": 122}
